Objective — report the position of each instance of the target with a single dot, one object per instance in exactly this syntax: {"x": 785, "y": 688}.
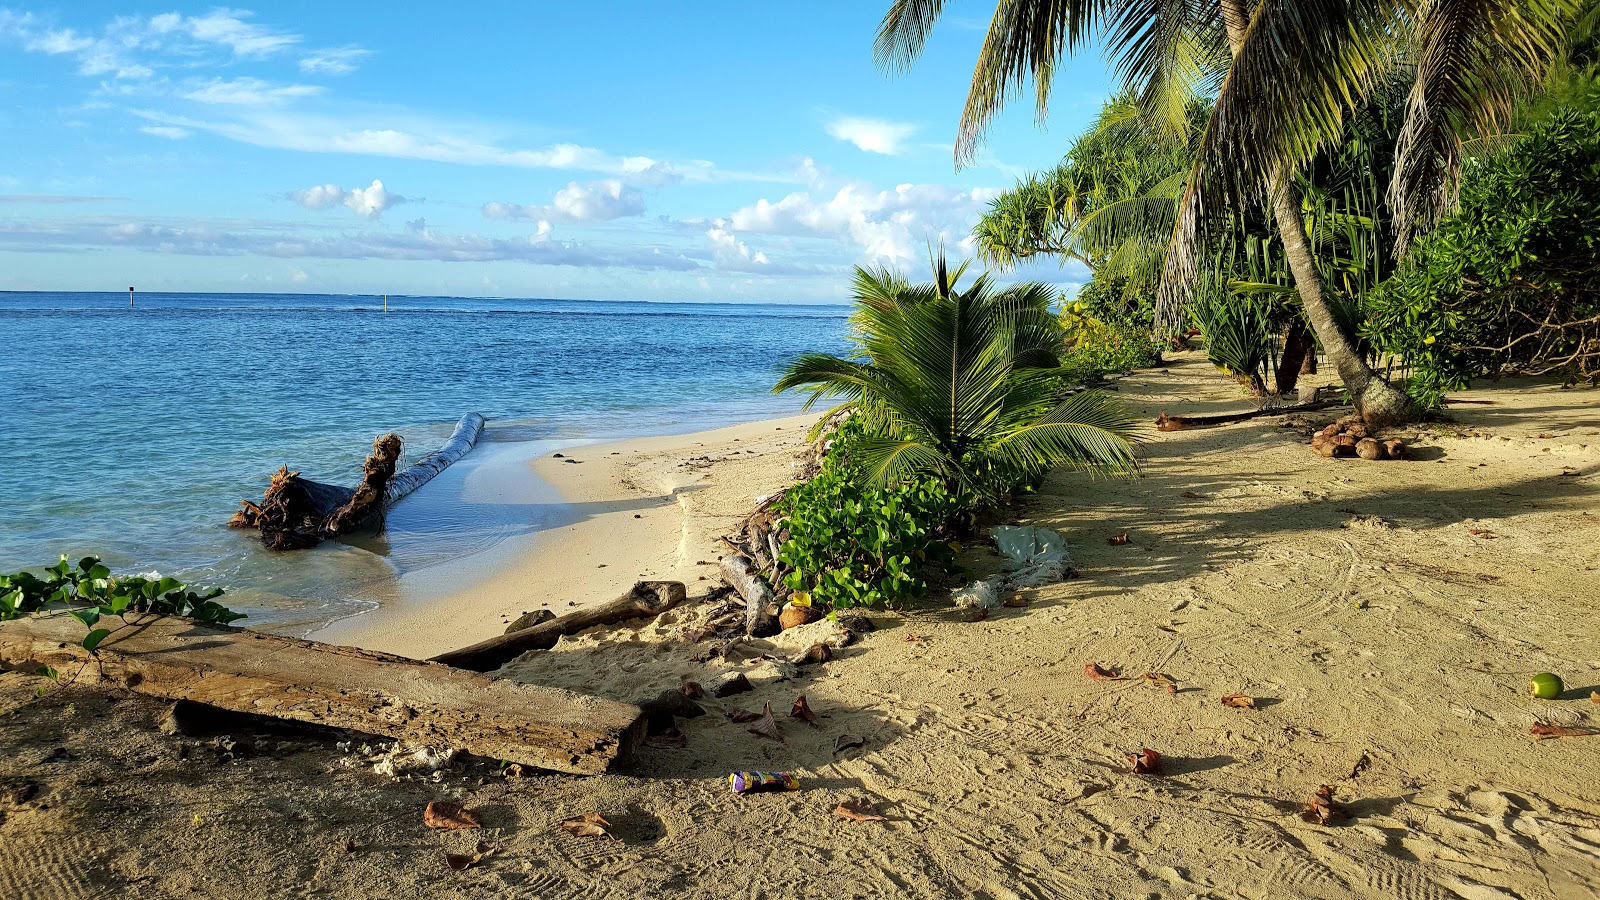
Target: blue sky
{"x": 710, "y": 151}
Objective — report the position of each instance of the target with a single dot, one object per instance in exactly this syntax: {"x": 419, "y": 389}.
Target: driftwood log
{"x": 1165, "y": 422}
{"x": 296, "y": 512}
{"x": 305, "y": 681}
{"x": 761, "y": 613}
{"x": 647, "y": 598}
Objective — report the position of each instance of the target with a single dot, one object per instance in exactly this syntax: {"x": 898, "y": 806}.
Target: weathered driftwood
{"x": 342, "y": 687}
{"x": 1165, "y": 422}
{"x": 422, "y": 471}
{"x": 647, "y": 598}
{"x": 761, "y": 614}
{"x": 296, "y": 512}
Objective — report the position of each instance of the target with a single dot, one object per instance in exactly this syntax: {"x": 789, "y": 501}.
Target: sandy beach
{"x": 1384, "y": 616}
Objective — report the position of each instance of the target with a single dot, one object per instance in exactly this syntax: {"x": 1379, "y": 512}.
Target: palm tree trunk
{"x": 1297, "y": 348}
{"x": 1379, "y": 402}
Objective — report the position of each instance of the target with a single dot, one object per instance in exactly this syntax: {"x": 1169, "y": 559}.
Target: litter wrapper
{"x": 751, "y": 782}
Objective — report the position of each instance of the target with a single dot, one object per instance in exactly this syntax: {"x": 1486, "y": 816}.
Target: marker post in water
{"x": 385, "y": 302}
{"x": 130, "y": 298}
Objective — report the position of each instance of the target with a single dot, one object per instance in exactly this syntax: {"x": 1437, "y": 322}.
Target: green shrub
{"x": 852, "y": 544}
{"x": 91, "y": 592}
{"x": 1511, "y": 282}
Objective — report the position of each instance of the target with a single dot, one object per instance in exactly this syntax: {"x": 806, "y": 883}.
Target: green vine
{"x": 90, "y": 593}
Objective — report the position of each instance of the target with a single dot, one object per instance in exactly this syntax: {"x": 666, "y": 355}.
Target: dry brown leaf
{"x": 765, "y": 725}
{"x": 1542, "y": 731}
{"x": 515, "y": 770}
{"x": 1094, "y": 671}
{"x": 444, "y": 815}
{"x": 1189, "y": 495}
{"x": 1239, "y": 701}
{"x": 858, "y": 809}
{"x": 1118, "y": 540}
{"x": 1321, "y": 809}
{"x": 692, "y": 690}
{"x": 587, "y": 825}
{"x": 671, "y": 739}
{"x": 914, "y": 639}
{"x": 1145, "y": 762}
{"x": 1484, "y": 533}
{"x": 459, "y": 861}
{"x": 801, "y": 710}
{"x": 1160, "y": 680}
{"x": 1594, "y": 696}
{"x": 740, "y": 714}
{"x": 846, "y": 741}
{"x": 1016, "y": 601}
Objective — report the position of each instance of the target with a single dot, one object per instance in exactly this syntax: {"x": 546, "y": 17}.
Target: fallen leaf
{"x": 846, "y": 741}
{"x": 515, "y": 770}
{"x": 765, "y": 725}
{"x": 459, "y": 861}
{"x": 692, "y": 690}
{"x": 1189, "y": 495}
{"x": 671, "y": 739}
{"x": 587, "y": 825}
{"x": 1094, "y": 671}
{"x": 1145, "y": 762}
{"x": 1118, "y": 539}
{"x": 444, "y": 815}
{"x": 1161, "y": 681}
{"x": 858, "y": 809}
{"x": 1239, "y": 701}
{"x": 740, "y": 714}
{"x": 1594, "y": 696}
{"x": 1016, "y": 601}
{"x": 913, "y": 638}
{"x": 801, "y": 710}
{"x": 816, "y": 653}
{"x": 1484, "y": 533}
{"x": 1551, "y": 731}
{"x": 1321, "y": 809}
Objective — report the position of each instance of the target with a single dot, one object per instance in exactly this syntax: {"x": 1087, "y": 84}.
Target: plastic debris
{"x": 754, "y": 782}
{"x": 1034, "y": 556}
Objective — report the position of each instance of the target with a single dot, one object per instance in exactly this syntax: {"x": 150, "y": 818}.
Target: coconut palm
{"x": 962, "y": 385}
{"x": 1295, "y": 70}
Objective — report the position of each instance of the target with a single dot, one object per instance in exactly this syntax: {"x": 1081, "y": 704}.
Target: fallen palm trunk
{"x": 296, "y": 512}
{"x": 761, "y": 615}
{"x": 422, "y": 471}
{"x": 647, "y": 598}
{"x": 1165, "y": 422}
{"x": 341, "y": 687}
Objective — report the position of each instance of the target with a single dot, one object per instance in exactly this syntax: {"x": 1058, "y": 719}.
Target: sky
{"x": 724, "y": 152}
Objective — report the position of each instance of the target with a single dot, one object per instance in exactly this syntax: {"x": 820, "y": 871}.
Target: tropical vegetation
{"x": 90, "y": 593}
{"x": 1285, "y": 82}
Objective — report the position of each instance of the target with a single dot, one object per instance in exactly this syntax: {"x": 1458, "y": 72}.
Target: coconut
{"x": 1367, "y": 448}
{"x": 1394, "y": 448}
{"x": 1358, "y": 429}
{"x": 793, "y": 616}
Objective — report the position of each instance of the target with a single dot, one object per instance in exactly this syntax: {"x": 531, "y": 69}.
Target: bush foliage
{"x": 1511, "y": 282}
{"x": 90, "y": 592}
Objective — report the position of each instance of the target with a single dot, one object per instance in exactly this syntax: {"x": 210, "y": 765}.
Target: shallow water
{"x": 133, "y": 434}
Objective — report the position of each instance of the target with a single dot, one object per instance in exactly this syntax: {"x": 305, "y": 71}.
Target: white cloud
{"x": 133, "y": 47}
{"x": 227, "y": 27}
{"x": 249, "y": 92}
{"x": 333, "y": 60}
{"x": 890, "y": 226}
{"x": 235, "y": 238}
{"x": 871, "y": 135}
{"x": 596, "y": 201}
{"x": 730, "y": 251}
{"x": 371, "y": 201}
{"x": 166, "y": 131}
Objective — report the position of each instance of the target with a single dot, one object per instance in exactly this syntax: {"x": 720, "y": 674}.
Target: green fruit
{"x": 1546, "y": 686}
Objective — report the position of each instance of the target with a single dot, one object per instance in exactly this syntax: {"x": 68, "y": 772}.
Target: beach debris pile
{"x": 1351, "y": 437}
{"x": 1034, "y": 557}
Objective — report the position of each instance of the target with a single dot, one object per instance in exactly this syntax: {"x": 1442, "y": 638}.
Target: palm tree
{"x": 963, "y": 385}
{"x": 1295, "y": 69}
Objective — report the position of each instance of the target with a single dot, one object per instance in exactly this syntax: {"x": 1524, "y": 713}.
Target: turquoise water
{"x": 133, "y": 434}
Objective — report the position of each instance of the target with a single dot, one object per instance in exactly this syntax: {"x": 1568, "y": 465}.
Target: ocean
{"x": 132, "y": 434}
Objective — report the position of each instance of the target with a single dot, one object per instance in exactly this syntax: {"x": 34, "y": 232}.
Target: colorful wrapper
{"x": 750, "y": 782}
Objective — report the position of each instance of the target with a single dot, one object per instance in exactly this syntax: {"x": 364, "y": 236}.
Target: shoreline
{"x": 610, "y": 514}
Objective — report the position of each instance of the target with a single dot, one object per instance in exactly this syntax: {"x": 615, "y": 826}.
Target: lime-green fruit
{"x": 1546, "y": 686}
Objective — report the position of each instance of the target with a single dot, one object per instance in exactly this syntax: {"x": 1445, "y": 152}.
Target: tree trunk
{"x": 761, "y": 617}
{"x": 1379, "y": 402}
{"x": 647, "y": 598}
{"x": 1297, "y": 348}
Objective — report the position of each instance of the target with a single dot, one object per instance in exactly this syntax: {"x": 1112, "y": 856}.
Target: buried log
{"x": 296, "y": 512}
{"x": 647, "y": 598}
{"x": 341, "y": 687}
{"x": 761, "y": 615}
{"x": 1165, "y": 422}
